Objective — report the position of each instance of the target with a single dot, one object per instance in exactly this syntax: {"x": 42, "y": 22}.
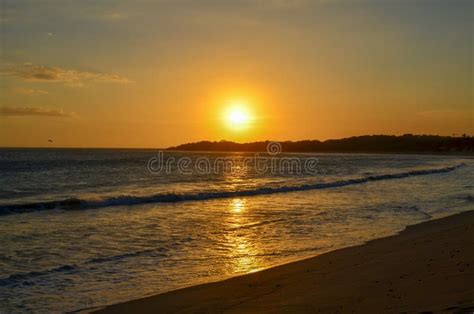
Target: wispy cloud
{"x": 31, "y": 72}
{"x": 114, "y": 16}
{"x": 34, "y": 111}
{"x": 30, "y": 91}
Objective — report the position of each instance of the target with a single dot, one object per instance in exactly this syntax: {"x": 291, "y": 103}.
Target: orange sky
{"x": 156, "y": 74}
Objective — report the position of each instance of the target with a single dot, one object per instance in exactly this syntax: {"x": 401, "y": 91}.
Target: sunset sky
{"x": 160, "y": 73}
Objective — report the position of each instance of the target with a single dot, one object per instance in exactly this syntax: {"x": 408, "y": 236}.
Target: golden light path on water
{"x": 244, "y": 249}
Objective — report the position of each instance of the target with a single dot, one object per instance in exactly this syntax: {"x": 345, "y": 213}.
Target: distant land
{"x": 408, "y": 143}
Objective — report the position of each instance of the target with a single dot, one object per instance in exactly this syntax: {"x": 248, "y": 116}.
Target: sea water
{"x": 82, "y": 228}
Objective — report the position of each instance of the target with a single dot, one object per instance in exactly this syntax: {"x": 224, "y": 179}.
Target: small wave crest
{"x": 30, "y": 278}
{"x": 256, "y": 224}
{"x": 127, "y": 200}
{"x": 468, "y": 198}
{"x": 27, "y": 278}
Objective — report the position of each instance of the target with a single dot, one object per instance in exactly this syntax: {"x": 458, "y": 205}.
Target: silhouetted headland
{"x": 408, "y": 143}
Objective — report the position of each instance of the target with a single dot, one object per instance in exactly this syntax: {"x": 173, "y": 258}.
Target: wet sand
{"x": 428, "y": 267}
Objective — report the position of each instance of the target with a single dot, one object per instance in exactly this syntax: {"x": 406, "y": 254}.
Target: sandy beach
{"x": 426, "y": 268}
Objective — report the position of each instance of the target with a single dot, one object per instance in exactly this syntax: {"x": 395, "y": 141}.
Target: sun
{"x": 237, "y": 115}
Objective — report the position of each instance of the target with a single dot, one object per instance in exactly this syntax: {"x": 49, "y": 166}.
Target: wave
{"x": 127, "y": 200}
{"x": 30, "y": 278}
{"x": 256, "y": 224}
{"x": 27, "y": 278}
{"x": 105, "y": 259}
{"x": 468, "y": 198}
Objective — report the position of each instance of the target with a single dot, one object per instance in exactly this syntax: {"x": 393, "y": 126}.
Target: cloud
{"x": 113, "y": 16}
{"x": 30, "y": 91}
{"x": 34, "y": 111}
{"x": 41, "y": 73}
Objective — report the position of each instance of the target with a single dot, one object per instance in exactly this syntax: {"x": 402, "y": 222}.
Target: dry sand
{"x": 426, "y": 268}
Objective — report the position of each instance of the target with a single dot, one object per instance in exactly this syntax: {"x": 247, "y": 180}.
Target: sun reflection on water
{"x": 244, "y": 249}
{"x": 237, "y": 205}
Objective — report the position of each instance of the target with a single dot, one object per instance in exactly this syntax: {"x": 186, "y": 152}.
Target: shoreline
{"x": 426, "y": 267}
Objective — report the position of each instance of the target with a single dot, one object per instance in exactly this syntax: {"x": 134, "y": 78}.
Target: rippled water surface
{"x": 86, "y": 228}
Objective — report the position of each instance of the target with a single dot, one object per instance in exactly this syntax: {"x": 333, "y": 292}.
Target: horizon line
{"x": 229, "y": 141}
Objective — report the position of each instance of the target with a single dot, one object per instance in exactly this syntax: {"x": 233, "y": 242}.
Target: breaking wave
{"x": 124, "y": 200}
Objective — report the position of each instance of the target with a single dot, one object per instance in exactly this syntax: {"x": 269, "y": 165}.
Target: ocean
{"x": 84, "y": 228}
